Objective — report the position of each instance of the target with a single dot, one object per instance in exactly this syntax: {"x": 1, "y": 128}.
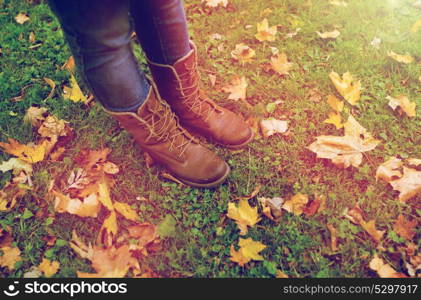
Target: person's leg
{"x": 98, "y": 33}
{"x": 161, "y": 29}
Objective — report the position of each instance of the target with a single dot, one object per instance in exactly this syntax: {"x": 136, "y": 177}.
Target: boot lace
{"x": 191, "y": 94}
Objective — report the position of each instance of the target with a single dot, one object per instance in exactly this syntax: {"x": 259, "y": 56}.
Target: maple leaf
{"x": 334, "y": 119}
{"x": 405, "y": 228}
{"x": 77, "y": 180}
{"x": 345, "y": 150}
{"x": 27, "y": 153}
{"x": 244, "y": 215}
{"x": 329, "y": 34}
{"x": 35, "y": 115}
{"x": 336, "y": 104}
{"x": 104, "y": 195}
{"x": 16, "y": 165}
{"x": 317, "y": 204}
{"x": 264, "y": 32}
{"x": 280, "y": 64}
{"x": 215, "y": 3}
{"x": 108, "y": 229}
{"x": 389, "y": 169}
{"x": 21, "y": 18}
{"x": 408, "y": 185}
{"x": 384, "y": 270}
{"x": 296, "y": 204}
{"x": 237, "y": 88}
{"x": 348, "y": 89}
{"x": 333, "y": 237}
{"x": 249, "y": 250}
{"x": 125, "y": 210}
{"x": 272, "y": 207}
{"x": 9, "y": 195}
{"x": 110, "y": 168}
{"x": 355, "y": 215}
{"x": 406, "y": 59}
{"x": 74, "y": 93}
{"x": 144, "y": 233}
{"x": 272, "y": 126}
{"x": 49, "y": 268}
{"x": 11, "y": 255}
{"x": 403, "y": 102}
{"x": 243, "y": 53}
{"x": 89, "y": 207}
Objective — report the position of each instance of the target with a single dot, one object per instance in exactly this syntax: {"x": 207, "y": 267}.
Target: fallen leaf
{"x": 405, "y": 228}
{"x": 110, "y": 168}
{"x": 336, "y": 104}
{"x": 11, "y": 255}
{"x": 16, "y": 165}
{"x": 249, "y": 250}
{"x": 384, "y": 270}
{"x": 69, "y": 65}
{"x": 334, "y": 119}
{"x": 272, "y": 126}
{"x": 144, "y": 233}
{"x": 264, "y": 32}
{"x": 215, "y": 3}
{"x": 314, "y": 206}
{"x": 104, "y": 195}
{"x": 9, "y": 195}
{"x": 108, "y": 229}
{"x": 243, "y": 53}
{"x": 244, "y": 215}
{"x": 237, "y": 88}
{"x": 74, "y": 93}
{"x": 33, "y": 272}
{"x": 88, "y": 207}
{"x": 212, "y": 79}
{"x": 296, "y": 204}
{"x": 408, "y": 185}
{"x": 351, "y": 91}
{"x": 280, "y": 64}
{"x": 49, "y": 268}
{"x": 272, "y": 207}
{"x": 333, "y": 237}
{"x": 35, "y": 115}
{"x": 280, "y": 274}
{"x": 21, "y": 18}
{"x": 356, "y": 216}
{"x": 329, "y": 34}
{"x": 126, "y": 211}
{"x": 27, "y": 153}
{"x": 406, "y": 59}
{"x": 389, "y": 169}
{"x": 52, "y": 85}
{"x": 403, "y": 102}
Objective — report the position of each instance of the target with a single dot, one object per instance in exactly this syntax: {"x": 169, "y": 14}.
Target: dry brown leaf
{"x": 237, "y": 88}
{"x": 280, "y": 64}
{"x": 355, "y": 215}
{"x": 21, "y": 18}
{"x": 296, "y": 204}
{"x": 329, "y": 34}
{"x": 243, "y": 53}
{"x": 389, "y": 169}
{"x": 405, "y": 228}
{"x": 384, "y": 270}
{"x": 271, "y": 207}
{"x": 88, "y": 207}
{"x": 110, "y": 168}
{"x": 11, "y": 255}
{"x": 35, "y": 115}
{"x": 314, "y": 206}
{"x": 408, "y": 185}
{"x": 145, "y": 233}
{"x": 333, "y": 237}
{"x": 404, "y": 104}
{"x": 69, "y": 65}
{"x": 350, "y": 90}
{"x": 273, "y": 126}
{"x": 9, "y": 195}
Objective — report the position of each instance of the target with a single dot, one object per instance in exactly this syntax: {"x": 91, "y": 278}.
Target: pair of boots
{"x": 159, "y": 127}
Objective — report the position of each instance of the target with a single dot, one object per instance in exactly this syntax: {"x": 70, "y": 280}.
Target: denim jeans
{"x": 99, "y": 32}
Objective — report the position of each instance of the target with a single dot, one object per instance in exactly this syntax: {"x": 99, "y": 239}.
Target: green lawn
{"x": 200, "y": 246}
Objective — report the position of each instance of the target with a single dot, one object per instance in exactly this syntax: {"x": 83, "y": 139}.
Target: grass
{"x": 297, "y": 245}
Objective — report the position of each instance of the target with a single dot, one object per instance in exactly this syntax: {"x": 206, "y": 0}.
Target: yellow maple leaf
{"x": 11, "y": 255}
{"x": 49, "y": 268}
{"x": 329, "y": 34}
{"x": 244, "y": 215}
{"x": 408, "y": 185}
{"x": 237, "y": 88}
{"x": 280, "y": 64}
{"x": 336, "y": 104}
{"x": 74, "y": 93}
{"x": 403, "y": 102}
{"x": 104, "y": 195}
{"x": 264, "y": 32}
{"x": 406, "y": 58}
{"x": 243, "y": 53}
{"x": 27, "y": 153}
{"x": 21, "y": 18}
{"x": 351, "y": 91}
{"x": 249, "y": 250}
{"x": 110, "y": 224}
{"x": 296, "y": 204}
{"x": 334, "y": 119}
{"x": 125, "y": 210}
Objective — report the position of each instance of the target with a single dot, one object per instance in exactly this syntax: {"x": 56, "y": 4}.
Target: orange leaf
{"x": 405, "y": 228}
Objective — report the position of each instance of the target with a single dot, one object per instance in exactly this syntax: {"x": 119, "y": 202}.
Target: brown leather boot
{"x": 179, "y": 85}
{"x": 157, "y": 131}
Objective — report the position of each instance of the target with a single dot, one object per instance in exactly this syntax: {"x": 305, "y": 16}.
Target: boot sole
{"x": 210, "y": 184}
{"x": 239, "y": 146}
